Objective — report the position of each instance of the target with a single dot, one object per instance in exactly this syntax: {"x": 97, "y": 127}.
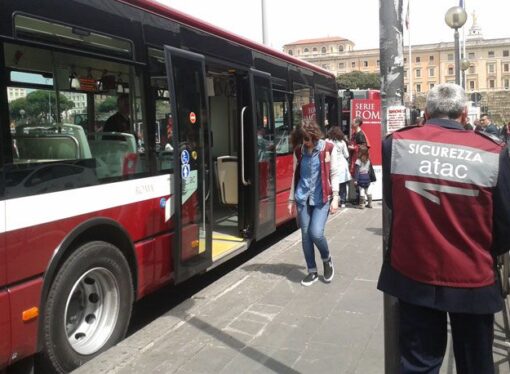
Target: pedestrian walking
{"x": 314, "y": 192}
{"x": 364, "y": 175}
{"x": 337, "y": 137}
{"x": 438, "y": 259}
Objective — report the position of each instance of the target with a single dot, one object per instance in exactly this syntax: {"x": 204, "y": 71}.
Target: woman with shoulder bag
{"x": 314, "y": 192}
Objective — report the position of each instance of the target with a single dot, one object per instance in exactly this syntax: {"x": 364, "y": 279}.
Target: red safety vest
{"x": 442, "y": 182}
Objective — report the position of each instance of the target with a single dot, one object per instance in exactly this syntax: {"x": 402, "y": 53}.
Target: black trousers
{"x": 423, "y": 337}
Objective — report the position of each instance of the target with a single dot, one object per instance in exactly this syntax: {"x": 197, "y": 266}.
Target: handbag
{"x": 371, "y": 174}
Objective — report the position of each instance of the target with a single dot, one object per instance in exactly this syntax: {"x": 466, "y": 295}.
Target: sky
{"x": 358, "y": 20}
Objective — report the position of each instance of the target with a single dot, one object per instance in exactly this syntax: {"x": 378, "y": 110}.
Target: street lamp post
{"x": 455, "y": 18}
{"x": 464, "y": 65}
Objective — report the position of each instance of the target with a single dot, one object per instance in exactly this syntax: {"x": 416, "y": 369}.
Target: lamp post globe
{"x": 455, "y": 18}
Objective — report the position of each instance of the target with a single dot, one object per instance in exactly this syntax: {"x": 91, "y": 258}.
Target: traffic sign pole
{"x": 392, "y": 92}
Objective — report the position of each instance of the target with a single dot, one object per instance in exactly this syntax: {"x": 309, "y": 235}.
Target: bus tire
{"x": 88, "y": 307}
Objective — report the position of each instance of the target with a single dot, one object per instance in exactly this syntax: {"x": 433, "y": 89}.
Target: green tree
{"x": 359, "y": 80}
{"x": 108, "y": 105}
{"x": 39, "y": 103}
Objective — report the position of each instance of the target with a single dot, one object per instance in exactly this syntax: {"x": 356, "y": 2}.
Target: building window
{"x": 471, "y": 85}
{"x": 431, "y": 59}
{"x": 353, "y": 64}
{"x": 418, "y": 59}
{"x": 340, "y": 48}
{"x": 492, "y": 83}
{"x": 290, "y": 52}
{"x": 418, "y": 73}
{"x": 405, "y": 74}
{"x": 418, "y": 88}
{"x": 431, "y": 86}
{"x": 472, "y": 69}
{"x": 450, "y": 56}
{"x": 506, "y": 53}
{"x": 325, "y": 66}
{"x": 506, "y": 67}
{"x": 323, "y": 50}
{"x": 314, "y": 49}
{"x": 471, "y": 55}
{"x": 491, "y": 54}
{"x": 341, "y": 65}
{"x": 450, "y": 70}
{"x": 506, "y": 84}
{"x": 491, "y": 68}
{"x": 432, "y": 72}
{"x": 405, "y": 60}
{"x": 378, "y": 63}
{"x": 365, "y": 64}
{"x": 306, "y": 50}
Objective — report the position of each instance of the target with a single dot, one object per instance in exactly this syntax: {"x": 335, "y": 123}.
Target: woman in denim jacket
{"x": 314, "y": 192}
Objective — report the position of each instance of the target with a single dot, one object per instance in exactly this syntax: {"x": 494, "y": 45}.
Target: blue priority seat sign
{"x": 185, "y": 171}
{"x": 185, "y": 157}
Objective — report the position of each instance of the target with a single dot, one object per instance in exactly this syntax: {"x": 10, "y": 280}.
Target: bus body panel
{"x": 5, "y": 328}
{"x": 24, "y": 334}
{"x": 284, "y": 165}
{"x": 51, "y": 227}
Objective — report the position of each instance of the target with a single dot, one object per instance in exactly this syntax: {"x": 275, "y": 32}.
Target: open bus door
{"x": 262, "y": 119}
{"x": 192, "y": 245}
{"x": 258, "y": 151}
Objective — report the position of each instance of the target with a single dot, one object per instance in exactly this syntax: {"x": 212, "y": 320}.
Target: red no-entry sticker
{"x": 192, "y": 118}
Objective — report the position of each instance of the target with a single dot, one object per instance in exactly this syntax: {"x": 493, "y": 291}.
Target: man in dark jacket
{"x": 119, "y": 122}
{"x": 487, "y": 125}
{"x": 448, "y": 193}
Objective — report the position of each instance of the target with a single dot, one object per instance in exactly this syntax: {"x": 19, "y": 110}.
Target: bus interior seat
{"x": 112, "y": 149}
{"x": 52, "y": 142}
{"x": 47, "y": 147}
{"x": 226, "y": 174}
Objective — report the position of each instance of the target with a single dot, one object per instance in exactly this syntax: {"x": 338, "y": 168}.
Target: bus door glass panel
{"x": 281, "y": 122}
{"x": 192, "y": 249}
{"x": 4, "y": 297}
{"x": 331, "y": 111}
{"x": 303, "y": 107}
{"x": 266, "y": 152}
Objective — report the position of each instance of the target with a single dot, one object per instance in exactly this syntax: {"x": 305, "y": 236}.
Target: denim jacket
{"x": 320, "y": 177}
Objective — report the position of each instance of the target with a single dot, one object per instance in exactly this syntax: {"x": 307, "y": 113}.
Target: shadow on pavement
{"x": 252, "y": 353}
{"x": 292, "y": 272}
{"x": 375, "y": 230}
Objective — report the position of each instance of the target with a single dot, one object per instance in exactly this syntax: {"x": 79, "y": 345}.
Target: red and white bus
{"x": 196, "y": 166}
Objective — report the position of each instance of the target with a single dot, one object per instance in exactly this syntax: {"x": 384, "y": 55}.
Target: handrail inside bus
{"x": 245, "y": 182}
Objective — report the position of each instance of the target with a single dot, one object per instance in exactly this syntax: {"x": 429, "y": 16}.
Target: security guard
{"x": 448, "y": 194}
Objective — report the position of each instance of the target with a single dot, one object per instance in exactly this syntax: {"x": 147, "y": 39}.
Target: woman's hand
{"x": 334, "y": 205}
{"x": 291, "y": 207}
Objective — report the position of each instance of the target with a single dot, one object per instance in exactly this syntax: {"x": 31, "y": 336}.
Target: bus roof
{"x": 165, "y": 11}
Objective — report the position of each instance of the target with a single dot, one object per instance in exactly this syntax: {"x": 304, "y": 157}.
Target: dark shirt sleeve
{"x": 386, "y": 170}
{"x": 360, "y": 138}
{"x": 111, "y": 124}
{"x": 501, "y": 221}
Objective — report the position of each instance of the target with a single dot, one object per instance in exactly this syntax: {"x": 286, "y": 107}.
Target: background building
{"x": 487, "y": 78}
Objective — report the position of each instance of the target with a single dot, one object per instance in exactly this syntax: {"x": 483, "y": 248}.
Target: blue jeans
{"x": 312, "y": 220}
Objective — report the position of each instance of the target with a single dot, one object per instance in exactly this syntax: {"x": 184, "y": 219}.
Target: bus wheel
{"x": 88, "y": 307}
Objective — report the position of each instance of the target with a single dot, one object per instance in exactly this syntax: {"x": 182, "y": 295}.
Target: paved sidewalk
{"x": 259, "y": 319}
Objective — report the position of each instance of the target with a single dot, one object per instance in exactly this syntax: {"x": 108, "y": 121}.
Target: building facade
{"x": 431, "y": 64}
